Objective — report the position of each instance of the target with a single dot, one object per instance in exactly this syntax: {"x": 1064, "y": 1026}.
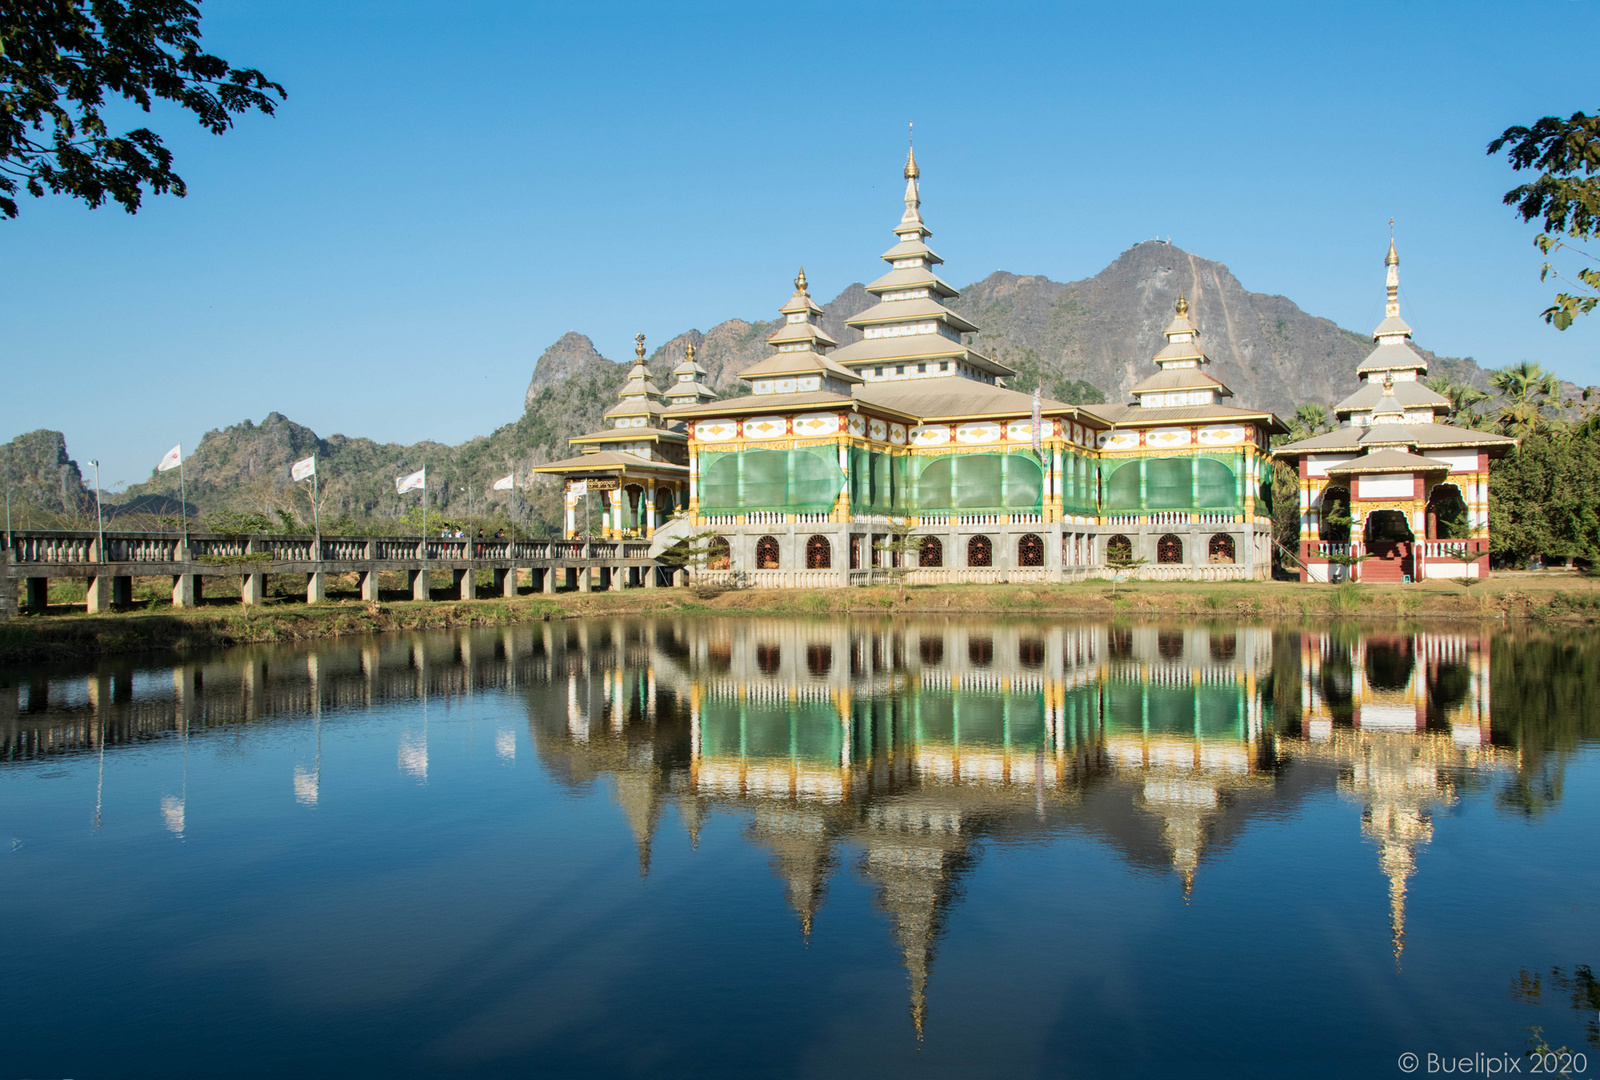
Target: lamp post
{"x": 99, "y": 518}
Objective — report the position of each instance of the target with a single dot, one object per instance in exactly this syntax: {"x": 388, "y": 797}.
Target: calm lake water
{"x": 805, "y": 848}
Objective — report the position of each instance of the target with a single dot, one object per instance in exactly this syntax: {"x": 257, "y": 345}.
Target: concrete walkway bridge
{"x": 108, "y": 564}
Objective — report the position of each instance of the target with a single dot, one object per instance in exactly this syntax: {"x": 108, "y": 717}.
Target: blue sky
{"x": 449, "y": 188}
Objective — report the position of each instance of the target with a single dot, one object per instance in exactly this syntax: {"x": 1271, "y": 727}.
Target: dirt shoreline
{"x": 1561, "y": 599}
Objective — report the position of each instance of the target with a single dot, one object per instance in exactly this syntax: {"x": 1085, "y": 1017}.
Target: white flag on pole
{"x": 579, "y": 488}
{"x": 411, "y": 483}
{"x": 505, "y": 483}
{"x": 302, "y": 469}
{"x": 174, "y": 456}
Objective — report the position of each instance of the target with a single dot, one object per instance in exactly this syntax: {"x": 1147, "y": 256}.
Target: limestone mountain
{"x": 40, "y": 476}
{"x": 1091, "y": 340}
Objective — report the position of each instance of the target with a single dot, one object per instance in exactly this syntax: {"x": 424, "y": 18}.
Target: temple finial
{"x": 911, "y": 152}
{"x": 638, "y": 347}
{"x": 800, "y": 282}
{"x": 689, "y": 353}
{"x": 1391, "y": 306}
{"x": 1182, "y": 307}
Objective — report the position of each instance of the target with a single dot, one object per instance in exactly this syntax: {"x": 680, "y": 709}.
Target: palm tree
{"x": 1309, "y": 420}
{"x": 1528, "y": 389}
{"x": 1464, "y": 398}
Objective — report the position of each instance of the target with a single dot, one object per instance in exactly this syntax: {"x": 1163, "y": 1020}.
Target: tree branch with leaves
{"x": 1566, "y": 196}
{"x": 60, "y": 59}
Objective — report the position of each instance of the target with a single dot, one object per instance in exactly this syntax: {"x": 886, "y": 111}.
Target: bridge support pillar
{"x": 97, "y": 593}
{"x": 680, "y": 577}
{"x": 506, "y": 581}
{"x": 651, "y": 573}
{"x": 316, "y": 587}
{"x": 38, "y": 598}
{"x": 253, "y": 589}
{"x": 547, "y": 579}
{"x": 369, "y": 585}
{"x": 466, "y": 584}
{"x": 419, "y": 584}
{"x": 8, "y": 594}
{"x": 584, "y": 574}
{"x": 185, "y": 590}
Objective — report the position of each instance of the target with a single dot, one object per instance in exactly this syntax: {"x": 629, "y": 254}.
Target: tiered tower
{"x": 639, "y": 400}
{"x": 910, "y": 333}
{"x": 689, "y": 383}
{"x": 1391, "y": 377}
{"x": 1180, "y": 382}
{"x": 801, "y": 365}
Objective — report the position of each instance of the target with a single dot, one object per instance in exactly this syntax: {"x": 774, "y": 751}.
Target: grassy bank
{"x": 1550, "y": 598}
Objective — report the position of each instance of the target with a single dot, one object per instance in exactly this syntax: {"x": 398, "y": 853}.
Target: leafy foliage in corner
{"x": 1566, "y": 196}
{"x": 58, "y": 61}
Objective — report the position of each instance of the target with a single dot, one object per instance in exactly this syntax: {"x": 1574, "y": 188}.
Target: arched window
{"x": 721, "y": 555}
{"x": 1169, "y": 549}
{"x": 819, "y": 553}
{"x": 1030, "y": 550}
{"x": 931, "y": 649}
{"x": 980, "y": 651}
{"x": 767, "y": 553}
{"x": 1030, "y": 652}
{"x": 819, "y": 660}
{"x": 1220, "y": 549}
{"x": 855, "y": 553}
{"x": 768, "y": 658}
{"x": 980, "y": 552}
{"x": 1119, "y": 547}
{"x": 932, "y": 553}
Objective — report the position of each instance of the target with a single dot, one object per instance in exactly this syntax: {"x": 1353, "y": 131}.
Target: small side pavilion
{"x": 638, "y": 468}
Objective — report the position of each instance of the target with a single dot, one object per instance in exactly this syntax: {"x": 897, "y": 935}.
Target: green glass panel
{"x": 1122, "y": 490}
{"x": 806, "y": 480}
{"x": 972, "y": 483}
{"x": 1168, "y": 484}
{"x": 1217, "y": 487}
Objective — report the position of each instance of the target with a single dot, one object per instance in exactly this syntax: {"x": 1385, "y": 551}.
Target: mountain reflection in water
{"x": 899, "y": 744}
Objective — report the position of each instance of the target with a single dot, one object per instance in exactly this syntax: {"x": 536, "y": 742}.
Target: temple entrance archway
{"x": 1390, "y": 543}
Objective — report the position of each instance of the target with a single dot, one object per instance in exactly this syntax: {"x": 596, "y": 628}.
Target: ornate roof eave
{"x": 918, "y": 310}
{"x": 609, "y": 461}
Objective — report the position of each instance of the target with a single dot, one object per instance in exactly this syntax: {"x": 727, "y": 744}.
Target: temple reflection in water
{"x": 898, "y": 748}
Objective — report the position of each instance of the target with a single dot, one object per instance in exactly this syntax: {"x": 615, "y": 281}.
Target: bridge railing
{"x": 82, "y": 548}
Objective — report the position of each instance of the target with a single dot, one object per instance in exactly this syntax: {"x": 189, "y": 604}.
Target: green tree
{"x": 1566, "y": 195}
{"x": 1544, "y": 497}
{"x": 1527, "y": 390}
{"x": 1464, "y": 401}
{"x": 58, "y": 61}
{"x": 1309, "y": 420}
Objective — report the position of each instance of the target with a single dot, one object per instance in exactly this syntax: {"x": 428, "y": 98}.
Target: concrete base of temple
{"x": 980, "y": 550}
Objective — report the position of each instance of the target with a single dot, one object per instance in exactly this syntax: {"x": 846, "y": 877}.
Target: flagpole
{"x": 316, "y": 511}
{"x": 183, "y": 506}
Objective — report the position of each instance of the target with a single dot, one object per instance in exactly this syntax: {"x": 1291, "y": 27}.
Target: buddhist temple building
{"x": 909, "y": 425}
{"x": 1394, "y": 495}
{"x": 637, "y": 469}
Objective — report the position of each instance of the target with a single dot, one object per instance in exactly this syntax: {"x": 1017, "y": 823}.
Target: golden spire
{"x": 1182, "y": 307}
{"x": 800, "y": 283}
{"x": 638, "y": 347}
{"x": 1391, "y": 307}
{"x": 689, "y": 353}
{"x": 911, "y": 153}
